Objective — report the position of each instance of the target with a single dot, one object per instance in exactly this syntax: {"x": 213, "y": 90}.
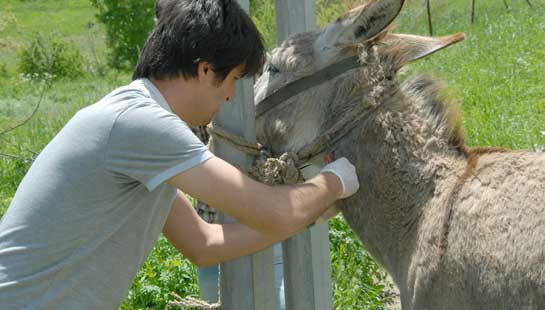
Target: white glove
{"x": 346, "y": 172}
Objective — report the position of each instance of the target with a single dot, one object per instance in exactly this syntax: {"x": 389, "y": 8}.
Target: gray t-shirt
{"x": 93, "y": 204}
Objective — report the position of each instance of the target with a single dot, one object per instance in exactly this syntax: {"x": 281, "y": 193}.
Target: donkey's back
{"x": 492, "y": 245}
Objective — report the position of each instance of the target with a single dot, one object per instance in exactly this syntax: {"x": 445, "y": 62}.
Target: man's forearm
{"x": 305, "y": 202}
{"x": 230, "y": 241}
{"x": 267, "y": 209}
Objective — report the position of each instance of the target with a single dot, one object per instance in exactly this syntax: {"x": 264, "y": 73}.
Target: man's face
{"x": 215, "y": 93}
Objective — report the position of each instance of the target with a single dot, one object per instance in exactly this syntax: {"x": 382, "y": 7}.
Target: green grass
{"x": 61, "y": 100}
{"x": 165, "y": 271}
{"x": 358, "y": 282}
{"x": 74, "y": 20}
{"x": 497, "y": 74}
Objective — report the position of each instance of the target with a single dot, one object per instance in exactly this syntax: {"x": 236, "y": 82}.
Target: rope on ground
{"x": 190, "y": 303}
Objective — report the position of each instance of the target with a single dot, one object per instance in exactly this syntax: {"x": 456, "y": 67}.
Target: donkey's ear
{"x": 404, "y": 48}
{"x": 366, "y": 21}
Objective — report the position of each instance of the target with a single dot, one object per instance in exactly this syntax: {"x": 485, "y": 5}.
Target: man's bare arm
{"x": 277, "y": 210}
{"x": 206, "y": 244}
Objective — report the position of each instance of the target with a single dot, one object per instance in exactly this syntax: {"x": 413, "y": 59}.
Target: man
{"x": 94, "y": 202}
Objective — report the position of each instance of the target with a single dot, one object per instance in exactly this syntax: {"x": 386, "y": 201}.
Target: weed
{"x": 165, "y": 271}
{"x": 49, "y": 57}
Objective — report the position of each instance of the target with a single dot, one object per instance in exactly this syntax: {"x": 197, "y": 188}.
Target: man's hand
{"x": 346, "y": 172}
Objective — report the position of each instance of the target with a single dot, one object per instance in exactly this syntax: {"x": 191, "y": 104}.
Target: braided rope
{"x": 284, "y": 169}
{"x": 266, "y": 169}
{"x": 277, "y": 171}
{"x": 190, "y": 303}
{"x": 238, "y": 142}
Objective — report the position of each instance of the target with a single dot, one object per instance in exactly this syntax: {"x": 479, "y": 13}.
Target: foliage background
{"x": 127, "y": 24}
{"x": 497, "y": 74}
{"x": 47, "y": 56}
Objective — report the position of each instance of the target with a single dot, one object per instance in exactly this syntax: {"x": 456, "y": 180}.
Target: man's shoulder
{"x": 138, "y": 96}
{"x": 126, "y": 93}
{"x": 125, "y": 100}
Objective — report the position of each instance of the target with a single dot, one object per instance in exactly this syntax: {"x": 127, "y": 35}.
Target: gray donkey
{"x": 456, "y": 228}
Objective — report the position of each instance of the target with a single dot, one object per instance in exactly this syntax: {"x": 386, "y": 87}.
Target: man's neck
{"x": 179, "y": 93}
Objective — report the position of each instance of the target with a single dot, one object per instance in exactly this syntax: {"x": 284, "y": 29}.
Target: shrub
{"x": 128, "y": 23}
{"x": 49, "y": 56}
{"x": 165, "y": 271}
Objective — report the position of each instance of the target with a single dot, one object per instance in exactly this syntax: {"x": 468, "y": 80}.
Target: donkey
{"x": 456, "y": 228}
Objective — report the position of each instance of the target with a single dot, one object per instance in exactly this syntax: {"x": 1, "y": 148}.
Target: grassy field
{"x": 74, "y": 20}
{"x": 497, "y": 74}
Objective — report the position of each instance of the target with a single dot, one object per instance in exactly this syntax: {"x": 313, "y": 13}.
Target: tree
{"x": 128, "y": 23}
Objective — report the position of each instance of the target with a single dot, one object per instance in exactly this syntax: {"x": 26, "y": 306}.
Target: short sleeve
{"x": 150, "y": 144}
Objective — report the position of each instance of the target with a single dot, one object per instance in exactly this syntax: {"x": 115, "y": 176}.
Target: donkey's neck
{"x": 405, "y": 162}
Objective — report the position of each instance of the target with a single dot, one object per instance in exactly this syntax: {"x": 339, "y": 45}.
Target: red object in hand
{"x": 328, "y": 158}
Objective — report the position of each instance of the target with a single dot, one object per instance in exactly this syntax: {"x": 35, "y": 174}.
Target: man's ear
{"x": 203, "y": 68}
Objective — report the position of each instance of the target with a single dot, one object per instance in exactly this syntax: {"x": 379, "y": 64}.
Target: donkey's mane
{"x": 432, "y": 101}
{"x": 297, "y": 44}
{"x": 423, "y": 95}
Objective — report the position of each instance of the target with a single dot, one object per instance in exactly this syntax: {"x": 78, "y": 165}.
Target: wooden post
{"x": 307, "y": 269}
{"x": 472, "y": 11}
{"x": 246, "y": 283}
{"x": 430, "y": 26}
{"x": 293, "y": 17}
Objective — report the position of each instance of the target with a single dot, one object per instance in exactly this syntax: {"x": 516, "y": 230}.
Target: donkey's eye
{"x": 272, "y": 69}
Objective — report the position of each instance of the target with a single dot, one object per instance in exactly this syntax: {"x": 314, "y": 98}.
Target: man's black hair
{"x": 190, "y": 31}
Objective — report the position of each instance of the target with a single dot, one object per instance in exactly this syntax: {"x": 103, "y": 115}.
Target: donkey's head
{"x": 362, "y": 33}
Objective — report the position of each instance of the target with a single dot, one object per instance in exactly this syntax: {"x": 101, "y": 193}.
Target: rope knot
{"x": 276, "y": 171}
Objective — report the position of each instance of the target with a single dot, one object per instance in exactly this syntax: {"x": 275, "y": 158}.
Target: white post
{"x": 307, "y": 268}
{"x": 294, "y": 17}
{"x": 246, "y": 283}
